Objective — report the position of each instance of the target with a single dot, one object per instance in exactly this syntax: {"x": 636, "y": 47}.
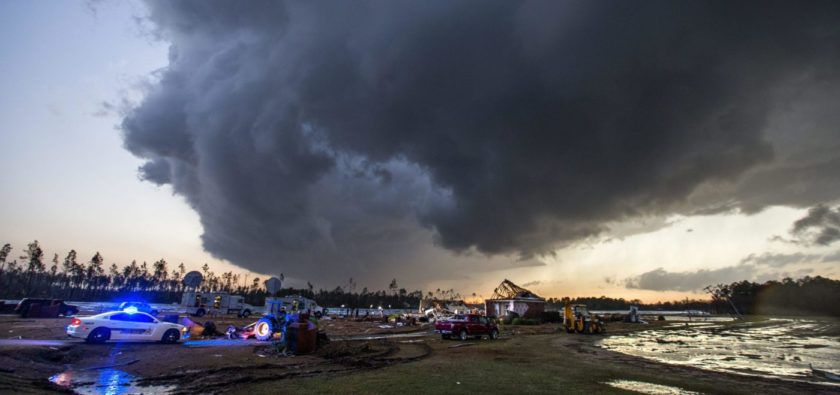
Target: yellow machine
{"x": 576, "y": 318}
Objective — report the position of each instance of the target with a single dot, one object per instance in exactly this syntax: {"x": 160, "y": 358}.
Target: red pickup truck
{"x": 465, "y": 325}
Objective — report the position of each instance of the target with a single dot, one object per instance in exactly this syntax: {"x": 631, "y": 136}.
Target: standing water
{"x": 782, "y": 348}
{"x": 105, "y": 382}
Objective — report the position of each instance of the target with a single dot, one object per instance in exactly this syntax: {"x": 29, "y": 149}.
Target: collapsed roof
{"x": 508, "y": 290}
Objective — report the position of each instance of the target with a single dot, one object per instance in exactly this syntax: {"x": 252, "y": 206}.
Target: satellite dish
{"x": 193, "y": 279}
{"x": 272, "y": 285}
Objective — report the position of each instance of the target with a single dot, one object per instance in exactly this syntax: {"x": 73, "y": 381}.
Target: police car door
{"x": 145, "y": 325}
{"x": 131, "y": 326}
{"x": 123, "y": 327}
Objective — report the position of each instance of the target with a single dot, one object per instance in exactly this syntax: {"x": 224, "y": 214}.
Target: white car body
{"x": 123, "y": 326}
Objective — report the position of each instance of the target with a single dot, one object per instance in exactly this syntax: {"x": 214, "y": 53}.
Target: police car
{"x": 125, "y": 325}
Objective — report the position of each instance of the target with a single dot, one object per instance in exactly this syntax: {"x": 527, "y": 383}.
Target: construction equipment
{"x": 634, "y": 317}
{"x": 280, "y": 313}
{"x": 272, "y": 327}
{"x": 576, "y": 318}
{"x": 296, "y": 330}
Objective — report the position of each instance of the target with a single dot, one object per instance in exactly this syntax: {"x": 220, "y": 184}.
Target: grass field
{"x": 546, "y": 363}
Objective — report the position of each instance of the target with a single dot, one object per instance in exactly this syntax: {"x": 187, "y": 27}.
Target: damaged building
{"x": 509, "y": 297}
{"x": 435, "y": 308}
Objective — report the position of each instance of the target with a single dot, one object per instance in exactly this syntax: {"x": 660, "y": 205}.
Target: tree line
{"x": 607, "y": 303}
{"x": 805, "y": 296}
{"x": 72, "y": 278}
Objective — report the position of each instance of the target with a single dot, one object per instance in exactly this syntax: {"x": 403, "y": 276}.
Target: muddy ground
{"x": 534, "y": 359}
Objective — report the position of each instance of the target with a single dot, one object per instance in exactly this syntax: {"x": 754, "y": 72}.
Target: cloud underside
{"x": 326, "y": 138}
{"x": 821, "y": 226}
{"x": 754, "y": 267}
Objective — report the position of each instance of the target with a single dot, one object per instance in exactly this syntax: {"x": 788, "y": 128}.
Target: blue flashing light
{"x": 130, "y": 309}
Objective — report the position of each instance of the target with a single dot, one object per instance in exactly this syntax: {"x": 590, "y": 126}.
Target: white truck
{"x": 201, "y": 303}
{"x": 293, "y": 303}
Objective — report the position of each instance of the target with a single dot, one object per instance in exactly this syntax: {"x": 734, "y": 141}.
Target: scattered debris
{"x": 231, "y": 332}
{"x": 434, "y": 309}
{"x": 664, "y": 341}
{"x": 461, "y": 345}
{"x": 824, "y": 373}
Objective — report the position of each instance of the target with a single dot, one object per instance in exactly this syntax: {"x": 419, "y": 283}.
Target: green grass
{"x": 524, "y": 364}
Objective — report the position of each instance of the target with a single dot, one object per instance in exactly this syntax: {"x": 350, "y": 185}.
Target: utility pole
{"x": 716, "y": 294}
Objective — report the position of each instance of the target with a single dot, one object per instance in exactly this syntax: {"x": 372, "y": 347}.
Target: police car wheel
{"x": 170, "y": 336}
{"x": 99, "y": 335}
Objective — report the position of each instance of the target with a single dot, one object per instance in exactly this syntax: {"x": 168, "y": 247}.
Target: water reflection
{"x": 775, "y": 348}
{"x": 649, "y": 388}
{"x": 105, "y": 382}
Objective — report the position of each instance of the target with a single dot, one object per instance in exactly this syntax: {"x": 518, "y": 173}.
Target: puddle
{"x": 649, "y": 388}
{"x": 105, "y": 382}
{"x": 773, "y": 348}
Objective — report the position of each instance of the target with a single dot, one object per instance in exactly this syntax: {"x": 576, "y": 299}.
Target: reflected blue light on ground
{"x": 102, "y": 382}
{"x": 105, "y": 382}
{"x": 113, "y": 382}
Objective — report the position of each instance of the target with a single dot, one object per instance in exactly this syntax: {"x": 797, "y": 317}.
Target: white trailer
{"x": 201, "y": 303}
{"x": 294, "y": 303}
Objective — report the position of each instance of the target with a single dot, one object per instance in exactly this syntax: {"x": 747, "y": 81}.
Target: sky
{"x": 631, "y": 149}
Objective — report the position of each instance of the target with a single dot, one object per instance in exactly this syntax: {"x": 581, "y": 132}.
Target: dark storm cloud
{"x": 820, "y": 226}
{"x": 779, "y": 260}
{"x": 156, "y": 171}
{"x": 663, "y": 280}
{"x": 341, "y": 135}
{"x": 754, "y": 267}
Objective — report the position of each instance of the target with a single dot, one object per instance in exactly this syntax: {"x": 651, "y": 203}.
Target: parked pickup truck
{"x": 464, "y": 326}
{"x": 44, "y": 308}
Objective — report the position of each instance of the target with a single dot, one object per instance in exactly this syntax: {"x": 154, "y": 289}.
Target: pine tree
{"x": 35, "y": 263}
{"x": 4, "y": 253}
{"x": 393, "y": 286}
